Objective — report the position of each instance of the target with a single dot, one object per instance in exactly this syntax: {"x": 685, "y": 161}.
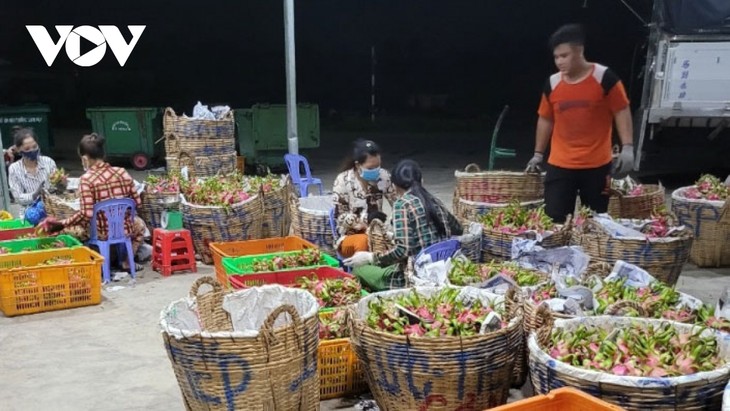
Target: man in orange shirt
{"x": 578, "y": 107}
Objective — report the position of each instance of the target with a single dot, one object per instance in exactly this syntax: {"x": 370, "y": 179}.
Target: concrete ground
{"x": 111, "y": 356}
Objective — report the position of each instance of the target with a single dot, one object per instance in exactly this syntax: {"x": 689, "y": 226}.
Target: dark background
{"x": 476, "y": 55}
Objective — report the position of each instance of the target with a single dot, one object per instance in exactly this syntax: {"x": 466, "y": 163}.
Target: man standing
{"x": 578, "y": 107}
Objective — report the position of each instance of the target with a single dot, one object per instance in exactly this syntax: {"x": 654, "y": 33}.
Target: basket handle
{"x": 169, "y": 112}
{"x": 618, "y": 307}
{"x": 217, "y": 288}
{"x": 544, "y": 324}
{"x": 267, "y": 329}
{"x": 472, "y": 168}
{"x": 514, "y": 302}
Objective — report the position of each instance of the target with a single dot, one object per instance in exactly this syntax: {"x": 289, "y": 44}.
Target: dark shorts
{"x": 562, "y": 185}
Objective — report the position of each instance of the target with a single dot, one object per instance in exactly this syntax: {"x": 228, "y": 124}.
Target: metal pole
{"x": 291, "y": 78}
{"x": 4, "y": 181}
{"x": 372, "y": 84}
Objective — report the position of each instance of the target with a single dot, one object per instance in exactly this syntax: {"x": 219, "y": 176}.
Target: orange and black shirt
{"x": 582, "y": 115}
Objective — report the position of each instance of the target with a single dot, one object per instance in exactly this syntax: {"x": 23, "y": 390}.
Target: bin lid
{"x": 29, "y": 108}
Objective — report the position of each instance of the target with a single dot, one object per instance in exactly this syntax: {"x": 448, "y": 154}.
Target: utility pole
{"x": 291, "y": 78}
{"x": 373, "y": 62}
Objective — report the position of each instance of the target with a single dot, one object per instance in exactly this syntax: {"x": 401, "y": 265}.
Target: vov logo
{"x": 71, "y": 37}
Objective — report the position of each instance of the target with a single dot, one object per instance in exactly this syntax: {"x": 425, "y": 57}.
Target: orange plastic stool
{"x": 172, "y": 251}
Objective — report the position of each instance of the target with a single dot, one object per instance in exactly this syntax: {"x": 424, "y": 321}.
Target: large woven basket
{"x": 663, "y": 258}
{"x": 498, "y": 186}
{"x": 436, "y": 373}
{"x": 203, "y": 166}
{"x": 207, "y": 224}
{"x": 199, "y": 146}
{"x": 700, "y": 391}
{"x": 497, "y": 245}
{"x": 709, "y": 222}
{"x": 221, "y": 369}
{"x": 639, "y": 206}
{"x": 471, "y": 244}
{"x": 310, "y": 220}
{"x": 378, "y": 238}
{"x": 276, "y": 211}
{"x": 152, "y": 206}
{"x": 467, "y": 210}
{"x": 58, "y": 205}
{"x": 183, "y": 131}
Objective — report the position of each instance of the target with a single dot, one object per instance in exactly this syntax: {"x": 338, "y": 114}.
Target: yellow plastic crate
{"x": 339, "y": 370}
{"x": 26, "y": 287}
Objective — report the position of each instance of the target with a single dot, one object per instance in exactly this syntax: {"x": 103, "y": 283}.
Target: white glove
{"x": 533, "y": 166}
{"x": 359, "y": 259}
{"x": 624, "y": 163}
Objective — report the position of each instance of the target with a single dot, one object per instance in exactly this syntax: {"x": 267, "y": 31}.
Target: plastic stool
{"x": 172, "y": 250}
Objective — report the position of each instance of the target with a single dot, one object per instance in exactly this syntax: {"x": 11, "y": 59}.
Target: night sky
{"x": 481, "y": 54}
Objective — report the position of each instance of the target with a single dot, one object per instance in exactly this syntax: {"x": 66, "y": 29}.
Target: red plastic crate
{"x": 284, "y": 277}
{"x": 220, "y": 250}
{"x": 15, "y": 233}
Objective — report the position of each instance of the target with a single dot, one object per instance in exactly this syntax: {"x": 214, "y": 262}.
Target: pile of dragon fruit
{"x": 333, "y": 326}
{"x": 515, "y": 219}
{"x": 465, "y": 272}
{"x": 442, "y": 314}
{"x": 708, "y": 187}
{"x": 308, "y": 257}
{"x": 330, "y": 293}
{"x": 641, "y": 351}
{"x": 167, "y": 184}
{"x": 628, "y": 187}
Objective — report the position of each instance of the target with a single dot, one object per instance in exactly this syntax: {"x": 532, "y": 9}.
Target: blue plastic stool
{"x": 115, "y": 211}
{"x": 335, "y": 237}
{"x": 294, "y": 162}
{"x": 441, "y": 251}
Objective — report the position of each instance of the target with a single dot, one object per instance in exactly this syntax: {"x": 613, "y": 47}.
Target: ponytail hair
{"x": 407, "y": 176}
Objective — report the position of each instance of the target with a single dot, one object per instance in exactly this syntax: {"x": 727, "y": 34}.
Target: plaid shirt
{"x": 413, "y": 232}
{"x": 102, "y": 182}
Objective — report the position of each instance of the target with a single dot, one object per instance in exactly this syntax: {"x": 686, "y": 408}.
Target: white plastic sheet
{"x": 202, "y": 112}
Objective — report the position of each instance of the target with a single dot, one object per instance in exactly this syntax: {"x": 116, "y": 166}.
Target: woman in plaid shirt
{"x": 102, "y": 182}
{"x": 419, "y": 221}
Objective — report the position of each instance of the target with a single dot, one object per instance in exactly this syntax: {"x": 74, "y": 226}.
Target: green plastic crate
{"x": 35, "y": 244}
{"x": 235, "y": 265}
{"x": 14, "y": 224}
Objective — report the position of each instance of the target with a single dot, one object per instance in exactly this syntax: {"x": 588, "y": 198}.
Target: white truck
{"x": 683, "y": 122}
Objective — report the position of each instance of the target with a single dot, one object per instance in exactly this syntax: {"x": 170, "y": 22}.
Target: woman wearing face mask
{"x": 30, "y": 175}
{"x": 419, "y": 219}
{"x": 101, "y": 182}
{"x": 359, "y": 191}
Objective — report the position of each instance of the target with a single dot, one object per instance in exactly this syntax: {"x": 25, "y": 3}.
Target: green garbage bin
{"x": 130, "y": 132}
{"x": 261, "y": 132}
{"x": 35, "y": 116}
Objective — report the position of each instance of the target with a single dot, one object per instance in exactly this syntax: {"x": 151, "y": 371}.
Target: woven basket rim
{"x": 496, "y": 173}
{"x": 500, "y": 205}
{"x": 676, "y": 196}
{"x": 656, "y": 189}
{"x": 633, "y": 382}
{"x": 685, "y": 234}
{"x": 235, "y": 205}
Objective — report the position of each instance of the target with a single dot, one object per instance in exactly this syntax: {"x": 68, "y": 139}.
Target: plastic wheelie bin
{"x": 35, "y": 116}
{"x": 130, "y": 132}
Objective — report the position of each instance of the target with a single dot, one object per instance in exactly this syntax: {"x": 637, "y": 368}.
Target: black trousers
{"x": 562, "y": 185}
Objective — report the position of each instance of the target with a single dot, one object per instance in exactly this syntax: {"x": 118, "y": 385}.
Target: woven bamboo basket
{"x": 199, "y": 147}
{"x": 207, "y": 224}
{"x": 446, "y": 373}
{"x": 471, "y": 244}
{"x": 152, "y": 206}
{"x": 497, "y": 245}
{"x": 663, "y": 258}
{"x": 276, "y": 211}
{"x": 378, "y": 238}
{"x": 58, "y": 205}
{"x": 467, "y": 210}
{"x": 310, "y": 220}
{"x": 709, "y": 222}
{"x": 191, "y": 128}
{"x": 700, "y": 391}
{"x": 221, "y": 369}
{"x": 204, "y": 166}
{"x": 639, "y": 206}
{"x": 498, "y": 186}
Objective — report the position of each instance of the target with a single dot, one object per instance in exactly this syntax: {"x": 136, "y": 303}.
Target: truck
{"x": 683, "y": 122}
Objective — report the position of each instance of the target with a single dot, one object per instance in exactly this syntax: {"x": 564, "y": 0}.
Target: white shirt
{"x": 23, "y": 184}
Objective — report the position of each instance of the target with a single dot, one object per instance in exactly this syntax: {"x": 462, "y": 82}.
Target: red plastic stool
{"x": 172, "y": 250}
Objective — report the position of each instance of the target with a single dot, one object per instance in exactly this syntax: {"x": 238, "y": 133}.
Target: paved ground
{"x": 111, "y": 357}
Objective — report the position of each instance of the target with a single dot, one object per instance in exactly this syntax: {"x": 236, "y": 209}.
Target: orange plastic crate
{"x": 339, "y": 370}
{"x": 27, "y": 287}
{"x": 252, "y": 247}
{"x": 562, "y": 399}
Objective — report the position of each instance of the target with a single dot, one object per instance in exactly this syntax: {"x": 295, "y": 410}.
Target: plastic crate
{"x": 35, "y": 244}
{"x": 27, "y": 287}
{"x": 562, "y": 399}
{"x": 235, "y": 265}
{"x": 252, "y": 247}
{"x": 339, "y": 370}
{"x": 12, "y": 229}
{"x": 289, "y": 277}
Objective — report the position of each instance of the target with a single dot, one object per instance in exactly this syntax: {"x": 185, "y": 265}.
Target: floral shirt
{"x": 354, "y": 198}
